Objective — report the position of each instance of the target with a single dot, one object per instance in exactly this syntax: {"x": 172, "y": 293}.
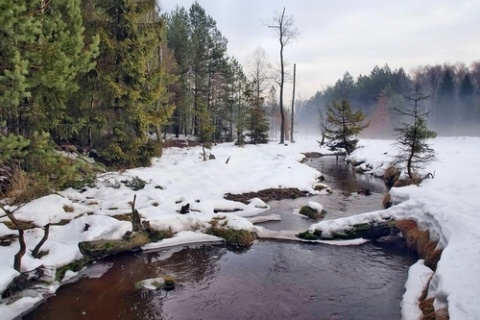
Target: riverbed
{"x": 270, "y": 280}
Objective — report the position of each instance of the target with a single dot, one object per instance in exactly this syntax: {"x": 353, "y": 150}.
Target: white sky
{"x": 339, "y": 36}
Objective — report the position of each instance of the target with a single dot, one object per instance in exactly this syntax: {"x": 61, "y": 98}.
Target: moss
{"x": 238, "y": 237}
{"x": 42, "y": 254}
{"x": 74, "y": 266}
{"x": 157, "y": 235}
{"x": 306, "y": 235}
{"x": 312, "y": 213}
{"x": 135, "y": 183}
{"x": 232, "y": 236}
{"x": 103, "y": 248}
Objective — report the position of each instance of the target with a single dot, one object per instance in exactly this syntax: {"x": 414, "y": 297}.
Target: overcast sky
{"x": 336, "y": 36}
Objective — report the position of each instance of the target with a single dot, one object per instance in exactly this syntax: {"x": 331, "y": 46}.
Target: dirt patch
{"x": 268, "y": 195}
{"x": 180, "y": 143}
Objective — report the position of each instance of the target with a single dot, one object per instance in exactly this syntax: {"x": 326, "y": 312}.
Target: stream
{"x": 270, "y": 280}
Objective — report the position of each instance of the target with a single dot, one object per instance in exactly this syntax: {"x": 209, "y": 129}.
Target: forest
{"x": 110, "y": 79}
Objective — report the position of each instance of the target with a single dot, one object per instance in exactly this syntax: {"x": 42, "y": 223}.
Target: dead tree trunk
{"x": 36, "y": 250}
{"x": 17, "y": 261}
{"x": 293, "y": 102}
{"x": 136, "y": 223}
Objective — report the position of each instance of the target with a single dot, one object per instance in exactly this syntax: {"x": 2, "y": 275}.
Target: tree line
{"x": 111, "y": 78}
{"x": 453, "y": 107}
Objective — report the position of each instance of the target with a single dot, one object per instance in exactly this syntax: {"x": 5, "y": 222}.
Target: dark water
{"x": 344, "y": 200}
{"x": 271, "y": 280}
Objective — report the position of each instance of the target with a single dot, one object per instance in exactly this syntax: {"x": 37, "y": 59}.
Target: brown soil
{"x": 268, "y": 195}
{"x": 180, "y": 143}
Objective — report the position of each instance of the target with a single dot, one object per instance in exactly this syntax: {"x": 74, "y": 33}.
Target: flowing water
{"x": 270, "y": 280}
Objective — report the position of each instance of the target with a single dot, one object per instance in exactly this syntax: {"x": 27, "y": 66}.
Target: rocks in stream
{"x": 313, "y": 210}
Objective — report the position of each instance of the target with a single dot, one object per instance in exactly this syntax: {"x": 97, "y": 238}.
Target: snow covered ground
{"x": 447, "y": 206}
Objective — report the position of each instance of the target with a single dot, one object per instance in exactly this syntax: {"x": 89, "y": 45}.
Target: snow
{"x": 315, "y": 206}
{"x": 418, "y": 277}
{"x": 183, "y": 238}
{"x": 447, "y": 206}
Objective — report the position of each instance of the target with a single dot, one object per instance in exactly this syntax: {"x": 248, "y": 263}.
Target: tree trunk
{"x": 293, "y": 102}
{"x": 136, "y": 223}
{"x": 36, "y": 250}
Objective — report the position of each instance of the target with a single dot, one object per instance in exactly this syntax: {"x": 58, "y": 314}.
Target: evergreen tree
{"x": 205, "y": 127}
{"x": 343, "y": 125}
{"x": 179, "y": 41}
{"x": 466, "y": 99}
{"x": 129, "y": 83}
{"x": 446, "y": 102}
{"x": 42, "y": 51}
{"x": 415, "y": 152}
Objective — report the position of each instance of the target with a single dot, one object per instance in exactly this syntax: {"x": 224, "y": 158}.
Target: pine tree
{"x": 205, "y": 127}
{"x": 415, "y": 152}
{"x": 343, "y": 125}
{"x": 178, "y": 35}
{"x": 129, "y": 84}
{"x": 43, "y": 50}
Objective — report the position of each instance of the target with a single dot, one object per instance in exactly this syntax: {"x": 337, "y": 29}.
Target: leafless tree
{"x": 286, "y": 31}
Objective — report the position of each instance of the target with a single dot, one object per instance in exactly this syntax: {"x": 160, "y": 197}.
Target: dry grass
{"x": 390, "y": 176}
{"x": 387, "y": 201}
{"x": 123, "y": 217}
{"x": 25, "y": 225}
{"x": 427, "y": 309}
{"x": 420, "y": 242}
{"x": 68, "y": 208}
{"x": 25, "y": 188}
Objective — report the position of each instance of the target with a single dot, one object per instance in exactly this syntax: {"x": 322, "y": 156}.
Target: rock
{"x": 322, "y": 187}
{"x": 185, "y": 209}
{"x": 166, "y": 282}
{"x": 364, "y": 191}
{"x": 313, "y": 210}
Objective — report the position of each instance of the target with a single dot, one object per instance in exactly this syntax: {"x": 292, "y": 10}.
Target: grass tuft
{"x": 68, "y": 208}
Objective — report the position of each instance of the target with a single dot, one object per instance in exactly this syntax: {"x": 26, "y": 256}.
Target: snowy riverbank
{"x": 447, "y": 206}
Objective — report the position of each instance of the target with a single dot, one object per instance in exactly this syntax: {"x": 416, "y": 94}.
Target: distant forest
{"x": 453, "y": 106}
{"x": 115, "y": 77}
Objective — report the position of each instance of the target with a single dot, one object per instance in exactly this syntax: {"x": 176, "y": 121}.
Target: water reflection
{"x": 271, "y": 280}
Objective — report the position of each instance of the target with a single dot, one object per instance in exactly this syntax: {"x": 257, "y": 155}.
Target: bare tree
{"x": 286, "y": 31}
